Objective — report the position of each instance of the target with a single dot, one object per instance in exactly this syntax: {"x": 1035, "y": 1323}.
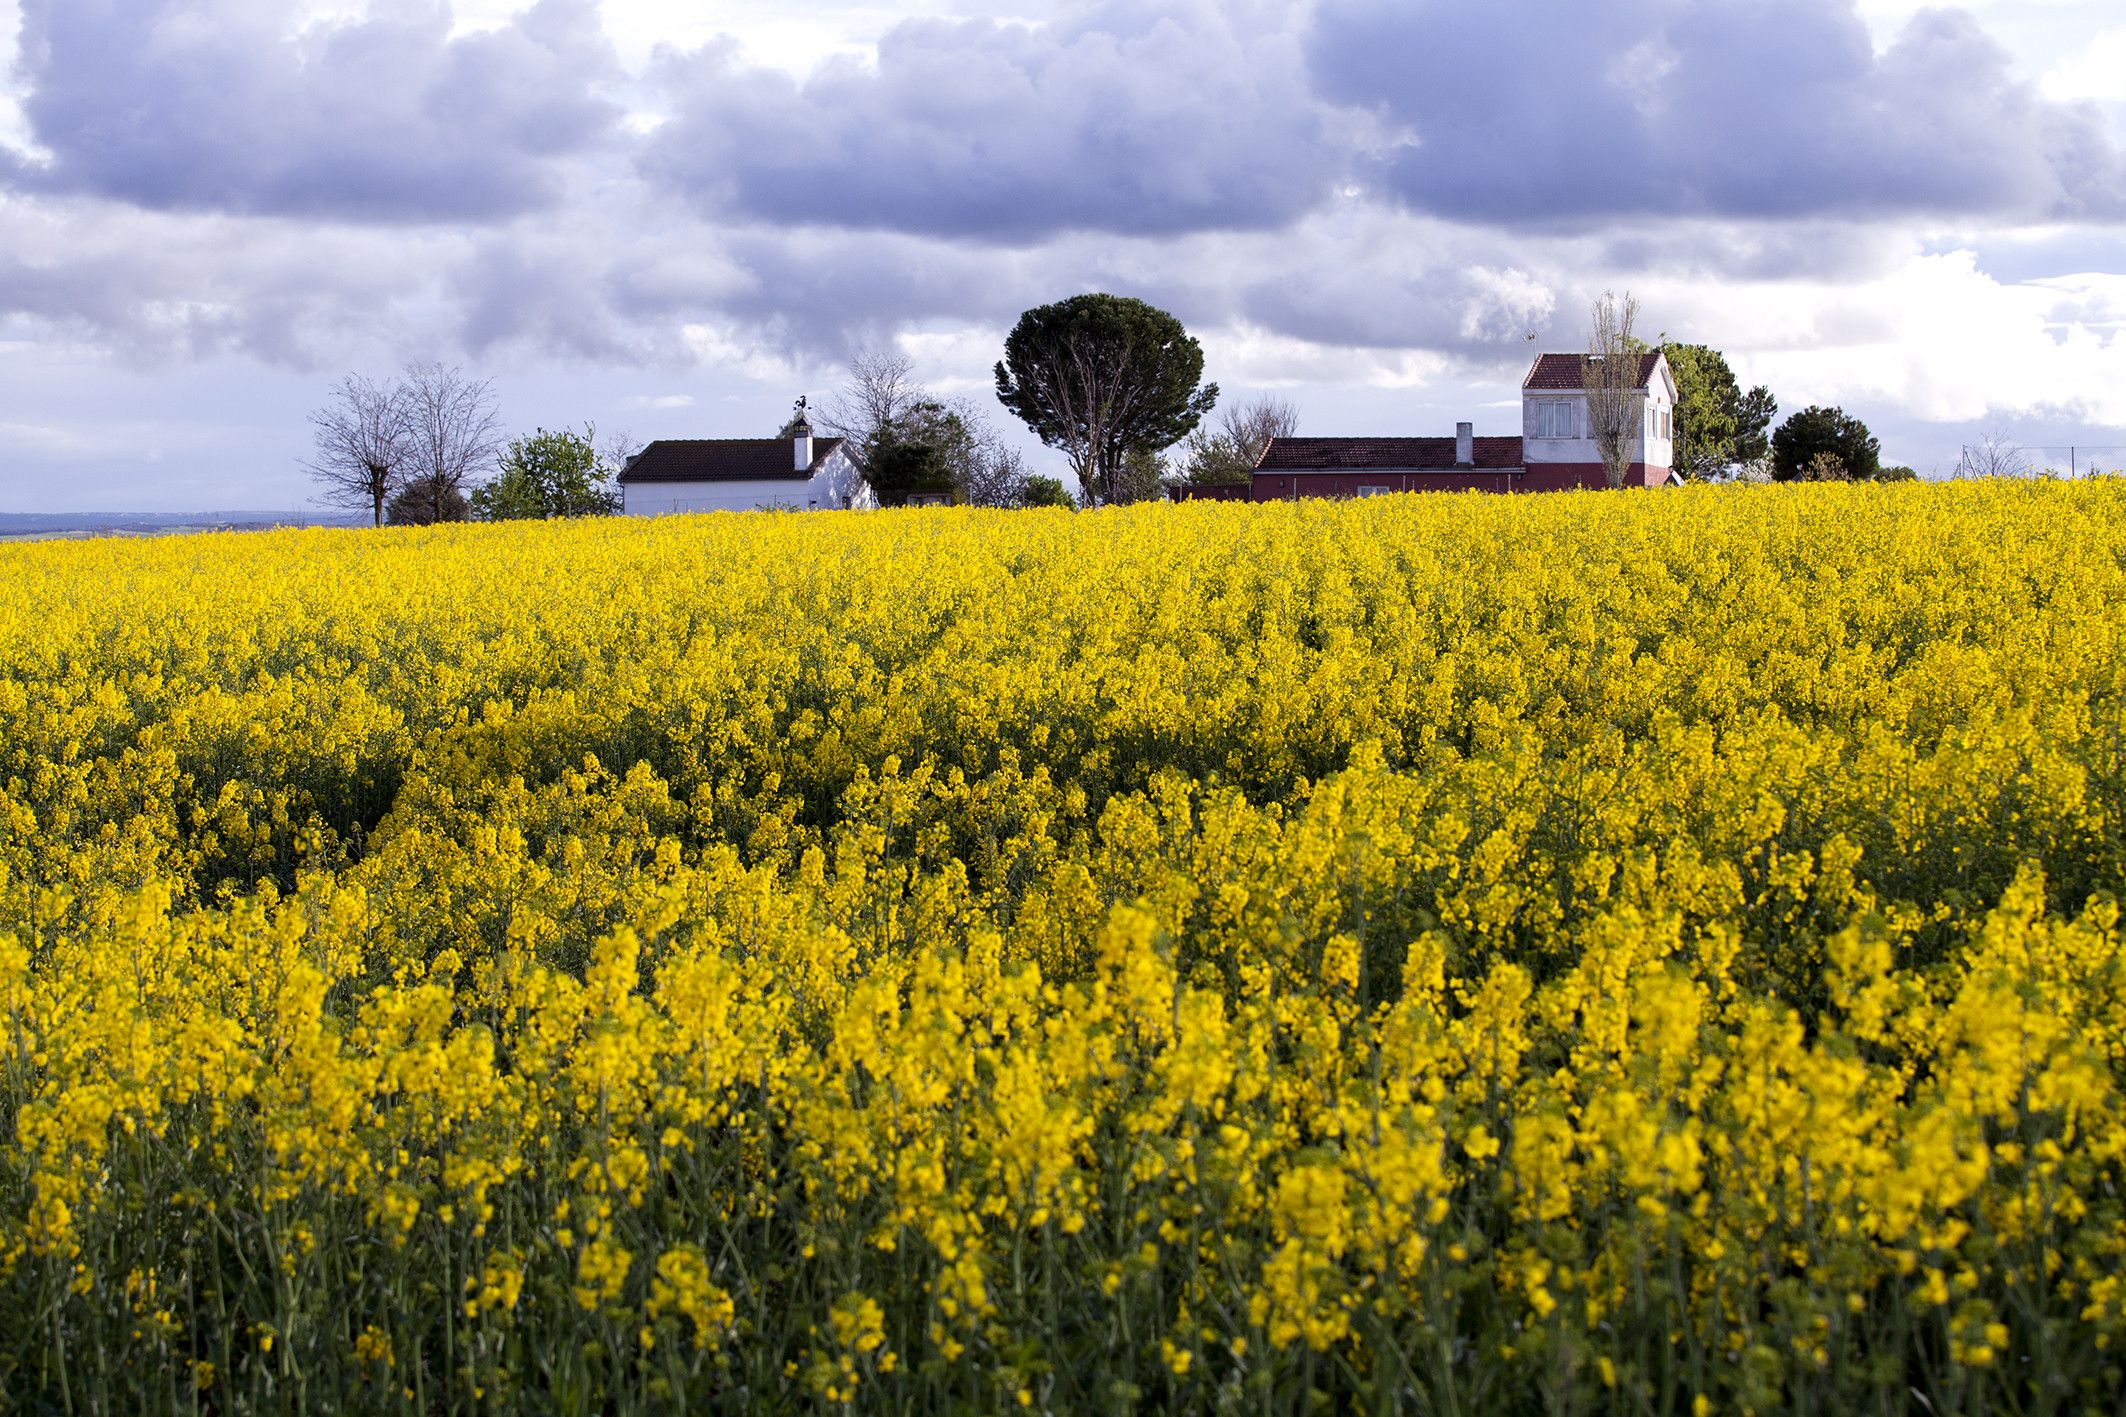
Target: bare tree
{"x": 882, "y": 399}
{"x": 1254, "y": 424}
{"x": 1225, "y": 455}
{"x": 880, "y": 391}
{"x": 455, "y": 433}
{"x": 1610, "y": 376}
{"x": 1995, "y": 454}
{"x": 363, "y": 443}
{"x": 616, "y": 450}
{"x": 991, "y": 472}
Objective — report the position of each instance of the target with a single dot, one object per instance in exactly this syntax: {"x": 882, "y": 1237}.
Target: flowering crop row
{"x": 1647, "y": 953}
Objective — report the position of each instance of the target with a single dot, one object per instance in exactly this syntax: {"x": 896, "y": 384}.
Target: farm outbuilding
{"x": 798, "y": 473}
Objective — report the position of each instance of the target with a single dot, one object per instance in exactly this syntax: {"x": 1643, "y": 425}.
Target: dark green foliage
{"x": 917, "y": 453}
{"x": 1717, "y": 424}
{"x": 426, "y": 501}
{"x": 1753, "y": 421}
{"x": 1142, "y": 478}
{"x": 1815, "y": 431}
{"x": 1046, "y": 492}
{"x": 1101, "y": 377}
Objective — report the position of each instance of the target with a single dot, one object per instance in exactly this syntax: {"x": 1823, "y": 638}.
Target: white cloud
{"x": 793, "y": 38}
{"x": 730, "y": 347}
{"x": 1942, "y": 341}
{"x": 2097, "y": 70}
{"x": 1244, "y": 355}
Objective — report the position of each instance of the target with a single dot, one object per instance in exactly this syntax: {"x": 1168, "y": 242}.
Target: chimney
{"x": 801, "y": 439}
{"x": 1465, "y": 445}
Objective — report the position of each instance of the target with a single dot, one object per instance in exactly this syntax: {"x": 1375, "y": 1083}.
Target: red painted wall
{"x": 1561, "y": 476}
{"x": 1281, "y": 486}
{"x": 1544, "y": 477}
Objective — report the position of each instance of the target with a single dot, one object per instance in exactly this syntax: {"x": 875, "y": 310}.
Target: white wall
{"x": 1654, "y": 451}
{"x": 1660, "y": 448}
{"x": 1536, "y": 450}
{"x": 823, "y": 491}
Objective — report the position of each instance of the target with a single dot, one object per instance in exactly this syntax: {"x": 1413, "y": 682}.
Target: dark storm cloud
{"x": 189, "y": 106}
{"x": 156, "y": 288}
{"x": 1194, "y": 154}
{"x": 1141, "y": 118}
{"x": 1548, "y": 110}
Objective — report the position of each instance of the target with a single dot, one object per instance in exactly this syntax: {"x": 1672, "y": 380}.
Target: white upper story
{"x": 1554, "y": 424}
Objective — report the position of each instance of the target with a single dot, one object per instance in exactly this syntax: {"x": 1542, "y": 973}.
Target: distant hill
{"x": 22, "y": 526}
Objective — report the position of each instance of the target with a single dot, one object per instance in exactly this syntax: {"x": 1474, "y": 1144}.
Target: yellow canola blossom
{"x": 1632, "y": 952}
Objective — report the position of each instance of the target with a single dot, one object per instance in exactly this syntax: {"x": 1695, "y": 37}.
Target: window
{"x": 1554, "y": 419}
{"x": 1371, "y": 490}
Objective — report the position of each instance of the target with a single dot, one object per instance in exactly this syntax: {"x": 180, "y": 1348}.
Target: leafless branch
{"x": 363, "y": 443}
{"x": 1995, "y": 454}
{"x": 1610, "y": 377}
{"x": 616, "y": 450}
{"x": 456, "y": 431}
{"x": 881, "y": 388}
{"x": 991, "y": 472}
{"x": 1251, "y": 426}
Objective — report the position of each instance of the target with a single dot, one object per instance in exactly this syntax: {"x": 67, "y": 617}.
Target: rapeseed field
{"x": 1650, "y": 953}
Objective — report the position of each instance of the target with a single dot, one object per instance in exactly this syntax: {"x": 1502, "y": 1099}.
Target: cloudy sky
{"x": 671, "y": 218}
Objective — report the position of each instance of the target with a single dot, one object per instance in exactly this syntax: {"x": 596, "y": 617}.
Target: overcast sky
{"x": 672, "y": 218}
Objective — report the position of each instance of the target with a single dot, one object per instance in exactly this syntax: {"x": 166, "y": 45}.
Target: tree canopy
{"x": 1101, "y": 377}
{"x": 1718, "y": 425}
{"x": 549, "y": 475}
{"x": 1040, "y": 491}
{"x": 1815, "y": 431}
{"x": 425, "y": 501}
{"x": 918, "y": 450}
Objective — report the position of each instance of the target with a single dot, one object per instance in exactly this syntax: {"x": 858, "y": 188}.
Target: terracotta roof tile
{"x": 1562, "y": 371}
{"x": 1382, "y": 454}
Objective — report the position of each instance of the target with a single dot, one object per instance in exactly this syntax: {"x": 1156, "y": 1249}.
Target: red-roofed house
{"x": 1554, "y": 452}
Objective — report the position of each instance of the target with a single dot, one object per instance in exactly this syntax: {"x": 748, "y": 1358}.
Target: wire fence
{"x": 1994, "y": 458}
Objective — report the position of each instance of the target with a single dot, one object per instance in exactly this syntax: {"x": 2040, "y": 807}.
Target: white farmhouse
{"x": 798, "y": 473}
{"x": 1556, "y": 450}
{"x": 1557, "y": 447}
